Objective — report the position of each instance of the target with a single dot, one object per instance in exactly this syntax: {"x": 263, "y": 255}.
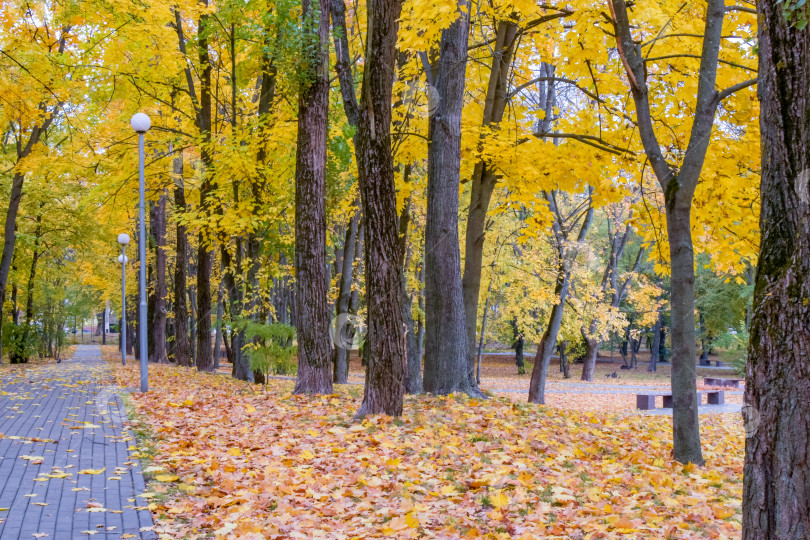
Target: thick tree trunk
{"x": 385, "y": 375}
{"x": 182, "y": 345}
{"x": 776, "y": 477}
{"x": 205, "y": 254}
{"x": 160, "y": 291}
{"x": 483, "y": 184}
{"x": 591, "y": 352}
{"x": 446, "y": 342}
{"x": 311, "y": 280}
{"x": 685, "y": 432}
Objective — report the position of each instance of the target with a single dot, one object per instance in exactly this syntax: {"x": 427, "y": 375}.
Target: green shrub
{"x": 20, "y": 341}
{"x": 733, "y": 349}
{"x": 270, "y": 348}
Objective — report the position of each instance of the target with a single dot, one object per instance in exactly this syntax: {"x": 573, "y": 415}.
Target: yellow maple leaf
{"x": 499, "y": 499}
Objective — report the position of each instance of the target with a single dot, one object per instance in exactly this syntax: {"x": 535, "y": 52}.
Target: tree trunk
{"x": 385, "y": 375}
{"x": 157, "y": 223}
{"x": 311, "y": 279}
{"x": 483, "y": 183}
{"x": 10, "y": 227}
{"x": 537, "y": 386}
{"x": 29, "y": 295}
{"x": 656, "y": 344}
{"x": 182, "y": 346}
{"x": 205, "y": 254}
{"x": 446, "y": 342}
{"x": 776, "y": 477}
{"x": 591, "y": 353}
{"x": 218, "y": 325}
{"x": 564, "y": 364}
{"x": 678, "y": 185}
{"x": 685, "y": 432}
{"x": 130, "y": 330}
{"x": 192, "y": 295}
{"x": 343, "y": 328}
{"x": 704, "y": 344}
{"x": 542, "y": 360}
{"x": 9, "y": 239}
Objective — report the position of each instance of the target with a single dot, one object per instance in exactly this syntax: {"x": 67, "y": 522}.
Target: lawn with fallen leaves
{"x": 231, "y": 460}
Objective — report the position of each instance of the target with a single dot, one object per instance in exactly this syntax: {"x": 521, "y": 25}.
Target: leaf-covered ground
{"x": 234, "y": 461}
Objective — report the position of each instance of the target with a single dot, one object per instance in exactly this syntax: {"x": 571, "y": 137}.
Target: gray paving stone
{"x": 75, "y": 406}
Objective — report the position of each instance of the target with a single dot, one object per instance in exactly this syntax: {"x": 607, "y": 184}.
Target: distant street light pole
{"x": 141, "y": 124}
{"x": 123, "y": 239}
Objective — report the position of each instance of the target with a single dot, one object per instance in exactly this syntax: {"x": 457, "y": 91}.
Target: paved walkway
{"x": 65, "y": 471}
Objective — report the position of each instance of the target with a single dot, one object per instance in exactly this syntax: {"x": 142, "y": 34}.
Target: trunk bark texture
{"x": 182, "y": 345}
{"x": 447, "y": 345}
{"x": 157, "y": 223}
{"x": 205, "y": 253}
{"x": 685, "y": 432}
{"x": 776, "y": 477}
{"x": 311, "y": 279}
{"x": 387, "y": 368}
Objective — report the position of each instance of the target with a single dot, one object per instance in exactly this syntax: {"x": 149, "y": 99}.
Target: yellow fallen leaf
{"x": 306, "y": 454}
{"x": 167, "y": 478}
{"x": 93, "y": 471}
{"x": 499, "y": 499}
{"x": 250, "y": 408}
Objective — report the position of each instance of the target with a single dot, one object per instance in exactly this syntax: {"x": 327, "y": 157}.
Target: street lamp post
{"x": 141, "y": 124}
{"x": 123, "y": 239}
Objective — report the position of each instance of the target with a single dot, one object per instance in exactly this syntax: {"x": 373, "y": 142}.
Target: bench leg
{"x": 717, "y": 398}
{"x": 645, "y": 402}
{"x": 667, "y": 402}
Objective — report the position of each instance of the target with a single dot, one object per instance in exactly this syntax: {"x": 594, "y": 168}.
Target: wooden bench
{"x": 708, "y": 363}
{"x": 716, "y": 381}
{"x": 647, "y": 401}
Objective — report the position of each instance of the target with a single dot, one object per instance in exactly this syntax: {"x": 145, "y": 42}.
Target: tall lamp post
{"x": 123, "y": 239}
{"x": 141, "y": 124}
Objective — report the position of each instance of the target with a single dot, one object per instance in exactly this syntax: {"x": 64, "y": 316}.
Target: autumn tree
{"x": 776, "y": 491}
{"x": 678, "y": 176}
{"x": 27, "y": 60}
{"x": 314, "y": 369}
{"x": 446, "y": 344}
{"x": 385, "y": 374}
